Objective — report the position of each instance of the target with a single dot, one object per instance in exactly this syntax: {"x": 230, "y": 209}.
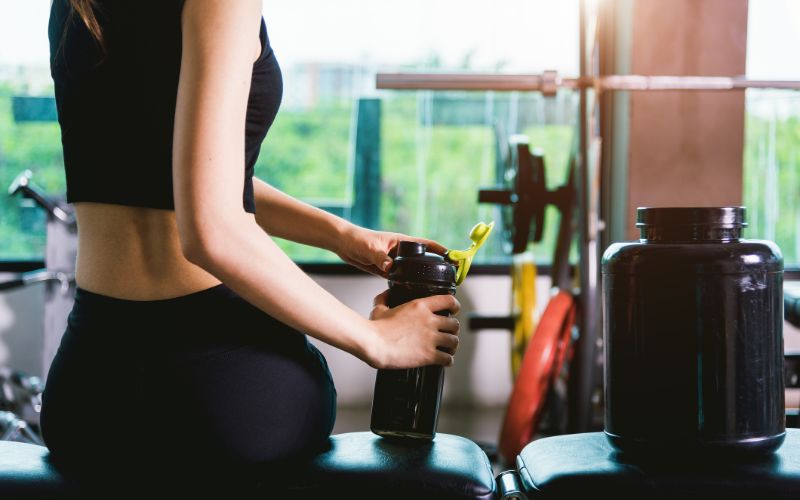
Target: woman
{"x": 185, "y": 356}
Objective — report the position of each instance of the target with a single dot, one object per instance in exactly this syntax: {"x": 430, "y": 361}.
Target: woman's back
{"x": 116, "y": 115}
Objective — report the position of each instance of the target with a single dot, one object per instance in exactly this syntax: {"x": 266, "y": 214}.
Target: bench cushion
{"x": 356, "y": 465}
{"x": 576, "y": 465}
{"x": 363, "y": 465}
{"x": 26, "y": 472}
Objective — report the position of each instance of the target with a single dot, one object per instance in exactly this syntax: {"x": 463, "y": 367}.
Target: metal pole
{"x": 582, "y": 368}
{"x": 639, "y": 82}
{"x": 549, "y": 82}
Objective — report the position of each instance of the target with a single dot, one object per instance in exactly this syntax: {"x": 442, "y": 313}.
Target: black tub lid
{"x": 700, "y": 216}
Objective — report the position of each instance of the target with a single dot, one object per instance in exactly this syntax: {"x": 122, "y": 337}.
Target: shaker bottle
{"x": 406, "y": 402}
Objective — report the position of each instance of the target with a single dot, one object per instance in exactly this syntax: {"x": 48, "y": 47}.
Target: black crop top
{"x": 117, "y": 117}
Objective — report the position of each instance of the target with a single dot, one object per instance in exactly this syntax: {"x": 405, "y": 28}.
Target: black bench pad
{"x": 356, "y": 465}
{"x": 363, "y": 465}
{"x": 581, "y": 465}
{"x": 26, "y": 472}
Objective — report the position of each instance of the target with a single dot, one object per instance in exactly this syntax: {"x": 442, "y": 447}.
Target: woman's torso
{"x": 134, "y": 252}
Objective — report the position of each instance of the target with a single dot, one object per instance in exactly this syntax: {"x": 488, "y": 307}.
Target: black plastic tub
{"x": 693, "y": 337}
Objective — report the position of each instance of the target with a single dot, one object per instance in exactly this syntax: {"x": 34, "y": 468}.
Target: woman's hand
{"x": 412, "y": 334}
{"x": 373, "y": 251}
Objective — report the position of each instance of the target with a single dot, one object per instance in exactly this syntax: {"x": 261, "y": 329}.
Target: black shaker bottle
{"x": 406, "y": 402}
{"x": 694, "y": 337}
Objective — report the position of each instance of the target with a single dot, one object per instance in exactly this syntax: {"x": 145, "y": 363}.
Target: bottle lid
{"x": 415, "y": 264}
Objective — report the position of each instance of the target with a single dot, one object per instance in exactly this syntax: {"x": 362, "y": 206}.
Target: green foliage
{"x": 772, "y": 182}
{"x": 305, "y": 153}
{"x": 34, "y": 146}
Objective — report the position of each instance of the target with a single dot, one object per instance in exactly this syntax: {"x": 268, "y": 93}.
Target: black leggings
{"x": 203, "y": 390}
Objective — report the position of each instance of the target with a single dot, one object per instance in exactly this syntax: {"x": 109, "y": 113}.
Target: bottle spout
{"x": 479, "y": 234}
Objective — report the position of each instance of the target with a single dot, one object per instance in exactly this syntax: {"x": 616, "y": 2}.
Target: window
{"x": 26, "y": 141}
{"x": 772, "y": 170}
{"x": 433, "y": 151}
{"x": 772, "y": 129}
{"x": 402, "y": 161}
{"x": 413, "y": 161}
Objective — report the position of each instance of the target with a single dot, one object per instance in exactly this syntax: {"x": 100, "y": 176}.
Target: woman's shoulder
{"x": 133, "y": 32}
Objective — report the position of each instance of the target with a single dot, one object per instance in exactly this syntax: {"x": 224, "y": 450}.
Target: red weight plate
{"x": 541, "y": 364}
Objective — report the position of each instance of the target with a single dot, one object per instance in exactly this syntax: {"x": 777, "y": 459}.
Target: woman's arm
{"x": 286, "y": 217}
{"x": 281, "y": 215}
{"x": 219, "y": 236}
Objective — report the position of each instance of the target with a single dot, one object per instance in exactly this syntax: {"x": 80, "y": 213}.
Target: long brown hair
{"x": 86, "y": 10}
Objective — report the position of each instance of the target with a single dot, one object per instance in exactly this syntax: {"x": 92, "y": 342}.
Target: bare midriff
{"x": 133, "y": 253}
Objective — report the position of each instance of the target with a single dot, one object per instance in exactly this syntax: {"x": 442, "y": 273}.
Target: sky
{"x": 389, "y": 32}
{"x": 523, "y": 35}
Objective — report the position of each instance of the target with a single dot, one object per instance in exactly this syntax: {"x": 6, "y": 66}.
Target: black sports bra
{"x": 117, "y": 117}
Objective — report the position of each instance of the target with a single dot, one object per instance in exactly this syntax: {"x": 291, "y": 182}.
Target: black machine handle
{"x": 477, "y": 322}
{"x": 497, "y": 196}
